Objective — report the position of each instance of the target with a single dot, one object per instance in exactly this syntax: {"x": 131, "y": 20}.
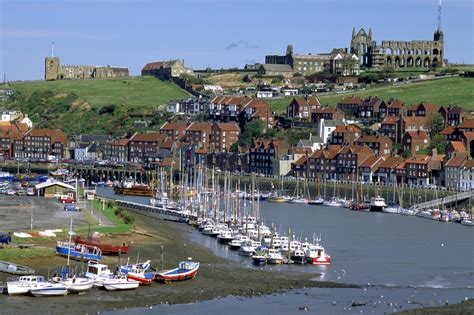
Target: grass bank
{"x": 458, "y": 91}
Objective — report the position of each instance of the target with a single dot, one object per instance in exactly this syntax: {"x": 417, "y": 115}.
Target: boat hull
{"x": 143, "y": 280}
{"x": 106, "y": 249}
{"x": 142, "y": 192}
{"x": 49, "y": 291}
{"x": 324, "y": 261}
{"x": 298, "y": 259}
{"x": 164, "y": 277}
{"x": 111, "y": 286}
{"x": 64, "y": 251}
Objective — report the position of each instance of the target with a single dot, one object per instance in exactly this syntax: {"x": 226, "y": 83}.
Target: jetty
{"x": 161, "y": 213}
{"x": 432, "y": 204}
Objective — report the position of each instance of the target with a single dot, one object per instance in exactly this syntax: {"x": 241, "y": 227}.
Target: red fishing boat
{"x": 186, "y": 270}
{"x": 107, "y": 249}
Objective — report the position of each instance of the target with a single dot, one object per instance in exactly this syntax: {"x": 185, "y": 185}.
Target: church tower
{"x": 51, "y": 68}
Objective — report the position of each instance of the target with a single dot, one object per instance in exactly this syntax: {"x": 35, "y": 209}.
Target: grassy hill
{"x": 459, "y": 91}
{"x": 93, "y": 106}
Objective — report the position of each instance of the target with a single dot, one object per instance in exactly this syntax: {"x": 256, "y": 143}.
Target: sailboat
{"x": 392, "y": 207}
{"x": 468, "y": 221}
{"x": 318, "y": 200}
{"x": 299, "y": 197}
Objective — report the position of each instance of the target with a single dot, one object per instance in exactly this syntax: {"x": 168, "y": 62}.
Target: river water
{"x": 406, "y": 261}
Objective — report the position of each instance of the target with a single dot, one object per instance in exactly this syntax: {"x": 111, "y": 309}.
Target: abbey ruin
{"x": 397, "y": 54}
{"x": 55, "y": 71}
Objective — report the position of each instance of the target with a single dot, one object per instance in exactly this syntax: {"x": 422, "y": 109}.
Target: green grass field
{"x": 458, "y": 91}
{"x": 134, "y": 91}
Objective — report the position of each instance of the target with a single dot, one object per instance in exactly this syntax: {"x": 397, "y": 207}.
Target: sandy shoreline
{"x": 216, "y": 278}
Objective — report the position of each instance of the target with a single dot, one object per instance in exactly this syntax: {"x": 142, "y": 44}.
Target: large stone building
{"x": 165, "y": 70}
{"x": 338, "y": 62}
{"x": 397, "y": 54}
{"x": 54, "y": 70}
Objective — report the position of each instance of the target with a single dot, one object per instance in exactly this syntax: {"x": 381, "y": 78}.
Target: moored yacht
{"x": 377, "y": 203}
{"x": 24, "y": 284}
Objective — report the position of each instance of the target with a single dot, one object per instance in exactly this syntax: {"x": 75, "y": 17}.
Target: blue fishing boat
{"x": 78, "y": 251}
{"x": 186, "y": 270}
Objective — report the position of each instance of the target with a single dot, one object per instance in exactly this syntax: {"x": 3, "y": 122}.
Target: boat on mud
{"x": 107, "y": 249}
{"x": 187, "y": 270}
{"x": 15, "y": 269}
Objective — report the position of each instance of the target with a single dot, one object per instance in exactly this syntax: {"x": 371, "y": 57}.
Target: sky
{"x": 215, "y": 33}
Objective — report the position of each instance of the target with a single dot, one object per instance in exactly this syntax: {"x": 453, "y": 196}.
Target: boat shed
{"x": 50, "y": 188}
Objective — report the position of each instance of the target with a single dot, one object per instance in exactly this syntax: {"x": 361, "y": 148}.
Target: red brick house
{"x": 143, "y": 144}
{"x": 302, "y": 107}
{"x": 390, "y": 127}
{"x": 370, "y": 108}
{"x": 345, "y": 134}
{"x": 381, "y": 145}
{"x": 174, "y": 130}
{"x": 40, "y": 144}
{"x": 418, "y": 169}
{"x": 327, "y": 113}
{"x": 223, "y": 136}
{"x": 349, "y": 105}
{"x": 198, "y": 133}
{"x": 415, "y": 141}
{"x": 396, "y": 108}
{"x": 264, "y": 151}
{"x": 456, "y": 115}
{"x": 116, "y": 150}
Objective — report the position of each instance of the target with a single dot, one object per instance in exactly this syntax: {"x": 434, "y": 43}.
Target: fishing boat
{"x": 15, "y": 269}
{"x": 120, "y": 282}
{"x": 237, "y": 241}
{"x": 274, "y": 256}
{"x": 106, "y": 249}
{"x": 316, "y": 254}
{"x": 248, "y": 248}
{"x": 298, "y": 256}
{"x": 186, "y": 270}
{"x": 377, "y": 203}
{"x": 78, "y": 251}
{"x": 139, "y": 272}
{"x": 49, "y": 289}
{"x": 259, "y": 258}
{"x": 24, "y": 284}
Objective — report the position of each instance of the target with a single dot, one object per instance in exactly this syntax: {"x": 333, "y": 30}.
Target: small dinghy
{"x": 15, "y": 269}
{"x": 186, "y": 270}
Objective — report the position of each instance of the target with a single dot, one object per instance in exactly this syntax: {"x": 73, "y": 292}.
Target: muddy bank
{"x": 465, "y": 308}
{"x": 216, "y": 278}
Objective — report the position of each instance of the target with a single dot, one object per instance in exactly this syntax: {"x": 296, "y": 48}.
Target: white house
{"x": 213, "y": 88}
{"x": 289, "y": 91}
{"x": 11, "y": 115}
{"x": 27, "y": 121}
{"x": 326, "y": 128}
{"x": 264, "y": 94}
{"x": 173, "y": 107}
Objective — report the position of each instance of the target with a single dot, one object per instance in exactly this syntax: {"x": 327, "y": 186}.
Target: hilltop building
{"x": 54, "y": 70}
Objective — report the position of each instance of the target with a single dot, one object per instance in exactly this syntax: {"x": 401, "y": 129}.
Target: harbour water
{"x": 406, "y": 261}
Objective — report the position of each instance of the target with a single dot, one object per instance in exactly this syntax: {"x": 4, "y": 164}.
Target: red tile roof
{"x": 458, "y": 146}
{"x": 199, "y": 126}
{"x": 396, "y": 104}
{"x": 468, "y": 134}
{"x": 456, "y": 161}
{"x": 148, "y": 137}
{"x": 348, "y": 128}
{"x": 419, "y": 159}
{"x": 418, "y": 135}
{"x": 56, "y": 135}
{"x": 468, "y": 124}
{"x": 228, "y": 126}
{"x": 153, "y": 65}
{"x": 448, "y": 130}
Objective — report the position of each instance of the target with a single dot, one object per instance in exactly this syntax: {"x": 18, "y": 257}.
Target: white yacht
{"x": 98, "y": 272}
{"x": 24, "y": 284}
{"x": 377, "y": 203}
{"x": 274, "y": 256}
{"x": 120, "y": 282}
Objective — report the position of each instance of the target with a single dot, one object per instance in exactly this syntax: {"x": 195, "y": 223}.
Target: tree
{"x": 252, "y": 129}
{"x": 439, "y": 142}
{"x": 406, "y": 154}
{"x": 435, "y": 124}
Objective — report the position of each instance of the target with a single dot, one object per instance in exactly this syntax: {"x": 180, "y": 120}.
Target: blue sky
{"x": 216, "y": 33}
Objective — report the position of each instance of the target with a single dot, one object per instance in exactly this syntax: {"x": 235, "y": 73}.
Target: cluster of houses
{"x": 359, "y": 139}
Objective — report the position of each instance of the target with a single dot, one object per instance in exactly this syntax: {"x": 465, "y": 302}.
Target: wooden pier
{"x": 160, "y": 213}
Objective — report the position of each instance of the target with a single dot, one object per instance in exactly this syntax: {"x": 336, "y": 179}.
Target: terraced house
{"x": 263, "y": 152}
{"x": 143, "y": 144}
{"x": 302, "y": 107}
{"x": 41, "y": 144}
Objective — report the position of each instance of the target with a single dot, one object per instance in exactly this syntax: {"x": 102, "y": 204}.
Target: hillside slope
{"x": 93, "y": 106}
{"x": 458, "y": 91}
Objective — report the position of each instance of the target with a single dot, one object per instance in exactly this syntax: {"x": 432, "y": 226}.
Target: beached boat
{"x": 24, "y": 284}
{"x": 139, "y": 272}
{"x": 98, "y": 272}
{"x": 78, "y": 251}
{"x": 186, "y": 270}
{"x": 106, "y": 249}
{"x": 77, "y": 284}
{"x": 49, "y": 289}
{"x": 120, "y": 282}
{"x": 15, "y": 269}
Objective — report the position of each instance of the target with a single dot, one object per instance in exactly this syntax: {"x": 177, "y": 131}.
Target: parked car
{"x": 67, "y": 199}
{"x": 10, "y": 192}
{"x": 21, "y": 192}
{"x": 71, "y": 208}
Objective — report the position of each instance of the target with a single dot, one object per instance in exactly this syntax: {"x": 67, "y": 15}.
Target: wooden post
{"x": 162, "y": 257}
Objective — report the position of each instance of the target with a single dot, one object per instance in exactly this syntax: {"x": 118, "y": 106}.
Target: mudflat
{"x": 217, "y": 277}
